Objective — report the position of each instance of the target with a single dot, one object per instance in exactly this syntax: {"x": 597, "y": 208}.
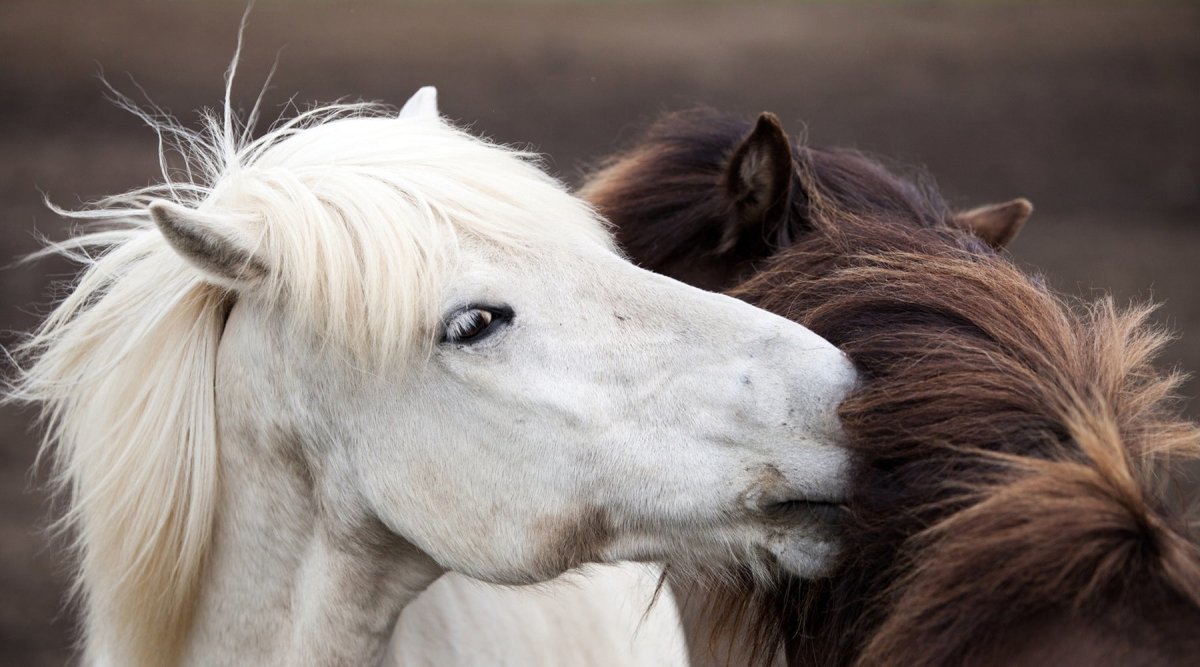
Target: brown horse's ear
{"x": 996, "y": 224}
{"x": 759, "y": 179}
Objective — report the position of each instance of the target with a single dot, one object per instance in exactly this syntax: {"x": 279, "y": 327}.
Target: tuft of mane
{"x": 1010, "y": 499}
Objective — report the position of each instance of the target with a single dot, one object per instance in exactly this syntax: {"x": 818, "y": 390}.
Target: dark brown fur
{"x": 1009, "y": 501}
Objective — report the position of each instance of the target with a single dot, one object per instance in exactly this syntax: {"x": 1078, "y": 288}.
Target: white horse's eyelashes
{"x": 472, "y": 324}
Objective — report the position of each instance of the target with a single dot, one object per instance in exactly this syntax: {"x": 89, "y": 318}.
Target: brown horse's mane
{"x": 1010, "y": 502}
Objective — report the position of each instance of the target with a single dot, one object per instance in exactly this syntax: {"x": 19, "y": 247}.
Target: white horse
{"x": 311, "y": 372}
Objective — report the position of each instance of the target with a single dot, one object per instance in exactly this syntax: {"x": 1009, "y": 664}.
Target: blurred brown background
{"x": 1090, "y": 110}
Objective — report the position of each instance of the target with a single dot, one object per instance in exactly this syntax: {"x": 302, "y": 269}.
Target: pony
{"x": 310, "y": 372}
{"x": 1009, "y": 494}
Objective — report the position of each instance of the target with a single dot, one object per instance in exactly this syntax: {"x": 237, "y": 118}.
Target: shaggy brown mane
{"x": 1009, "y": 501}
{"x": 1011, "y": 450}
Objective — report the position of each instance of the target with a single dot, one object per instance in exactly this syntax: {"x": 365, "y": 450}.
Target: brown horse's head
{"x": 705, "y": 197}
{"x": 1009, "y": 501}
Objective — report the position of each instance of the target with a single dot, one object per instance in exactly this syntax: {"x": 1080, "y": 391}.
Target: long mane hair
{"x": 1010, "y": 499}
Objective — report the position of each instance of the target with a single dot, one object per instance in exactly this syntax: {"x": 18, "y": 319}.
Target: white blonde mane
{"x": 357, "y": 215}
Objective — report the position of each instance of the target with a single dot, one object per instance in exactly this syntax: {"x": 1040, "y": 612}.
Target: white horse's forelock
{"x": 358, "y": 215}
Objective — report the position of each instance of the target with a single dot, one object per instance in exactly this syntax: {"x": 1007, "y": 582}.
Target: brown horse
{"x": 1010, "y": 503}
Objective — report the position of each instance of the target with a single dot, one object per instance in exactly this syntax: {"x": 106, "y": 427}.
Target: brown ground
{"x": 1091, "y": 112}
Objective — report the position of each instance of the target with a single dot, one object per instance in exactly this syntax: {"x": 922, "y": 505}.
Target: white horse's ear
{"x": 217, "y": 249}
{"x": 423, "y": 104}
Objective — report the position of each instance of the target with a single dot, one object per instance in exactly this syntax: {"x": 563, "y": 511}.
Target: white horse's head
{"x": 451, "y": 338}
{"x": 442, "y": 343}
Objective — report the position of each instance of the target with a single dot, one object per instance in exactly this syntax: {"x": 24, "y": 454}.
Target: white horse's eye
{"x": 474, "y": 323}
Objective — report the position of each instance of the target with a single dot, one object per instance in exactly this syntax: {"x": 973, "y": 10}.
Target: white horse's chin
{"x": 809, "y": 541}
{"x": 803, "y": 555}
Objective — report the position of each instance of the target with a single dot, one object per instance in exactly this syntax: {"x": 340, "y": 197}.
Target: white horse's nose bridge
{"x": 756, "y": 379}
{"x": 794, "y": 362}
{"x": 808, "y": 359}
{"x": 794, "y": 381}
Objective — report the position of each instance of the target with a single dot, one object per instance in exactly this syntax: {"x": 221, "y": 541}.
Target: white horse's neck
{"x": 298, "y": 573}
{"x": 284, "y": 588}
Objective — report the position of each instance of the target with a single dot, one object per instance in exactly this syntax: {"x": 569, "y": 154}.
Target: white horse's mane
{"x": 357, "y": 213}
